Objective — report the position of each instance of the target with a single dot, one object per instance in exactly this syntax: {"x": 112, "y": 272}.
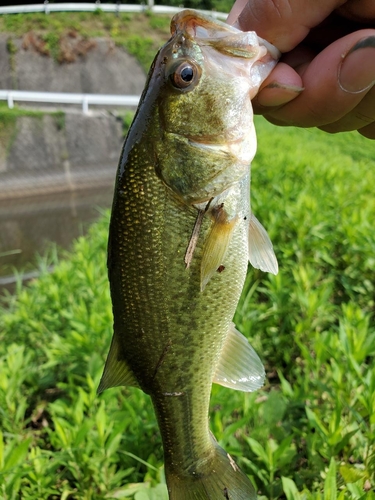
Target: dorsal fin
{"x": 116, "y": 370}
{"x": 239, "y": 367}
{"x": 261, "y": 254}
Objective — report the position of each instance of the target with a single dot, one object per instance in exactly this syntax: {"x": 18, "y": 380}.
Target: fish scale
{"x": 172, "y": 304}
{"x": 181, "y": 233}
{"x": 166, "y": 308}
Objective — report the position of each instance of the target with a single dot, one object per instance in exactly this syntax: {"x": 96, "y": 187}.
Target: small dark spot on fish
{"x": 226, "y": 494}
{"x": 245, "y": 218}
{"x": 220, "y": 269}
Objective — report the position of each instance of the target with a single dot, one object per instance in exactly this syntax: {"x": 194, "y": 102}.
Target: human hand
{"x": 326, "y": 75}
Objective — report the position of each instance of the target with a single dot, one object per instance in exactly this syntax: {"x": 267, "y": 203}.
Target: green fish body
{"x": 181, "y": 234}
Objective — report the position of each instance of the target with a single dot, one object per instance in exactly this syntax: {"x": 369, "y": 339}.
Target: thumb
{"x": 284, "y": 23}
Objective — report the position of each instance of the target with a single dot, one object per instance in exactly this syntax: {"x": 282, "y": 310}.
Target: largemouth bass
{"x": 181, "y": 235}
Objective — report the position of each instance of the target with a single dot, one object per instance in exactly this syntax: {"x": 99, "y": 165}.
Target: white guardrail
{"x": 84, "y": 99}
{"x": 47, "y": 7}
{"x": 68, "y": 98}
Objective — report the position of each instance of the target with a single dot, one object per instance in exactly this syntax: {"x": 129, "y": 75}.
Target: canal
{"x": 56, "y": 210}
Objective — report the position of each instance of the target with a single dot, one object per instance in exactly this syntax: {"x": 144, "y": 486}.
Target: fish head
{"x": 208, "y": 73}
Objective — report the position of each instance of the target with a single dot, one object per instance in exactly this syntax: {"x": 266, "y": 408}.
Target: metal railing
{"x": 83, "y": 99}
{"x": 105, "y": 7}
{"x": 68, "y": 98}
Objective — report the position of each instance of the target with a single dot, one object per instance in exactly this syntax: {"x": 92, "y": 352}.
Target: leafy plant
{"x": 309, "y": 434}
{"x": 142, "y": 48}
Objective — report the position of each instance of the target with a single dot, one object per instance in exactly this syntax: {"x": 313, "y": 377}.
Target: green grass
{"x": 308, "y": 434}
{"x": 9, "y": 115}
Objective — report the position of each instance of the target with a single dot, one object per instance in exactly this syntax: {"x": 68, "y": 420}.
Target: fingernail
{"x": 276, "y": 94}
{"x": 357, "y": 70}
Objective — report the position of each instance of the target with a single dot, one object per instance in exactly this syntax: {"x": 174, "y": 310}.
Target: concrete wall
{"x": 56, "y": 170}
{"x": 50, "y": 153}
{"x": 44, "y": 153}
{"x": 105, "y": 69}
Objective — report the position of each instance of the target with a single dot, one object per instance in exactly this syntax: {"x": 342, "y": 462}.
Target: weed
{"x": 11, "y": 47}
{"x": 52, "y": 45}
{"x": 127, "y": 119}
{"x": 309, "y": 434}
{"x": 59, "y": 117}
{"x": 161, "y": 23}
{"x": 140, "y": 47}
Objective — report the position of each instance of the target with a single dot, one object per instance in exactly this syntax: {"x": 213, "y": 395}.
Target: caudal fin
{"x": 218, "y": 479}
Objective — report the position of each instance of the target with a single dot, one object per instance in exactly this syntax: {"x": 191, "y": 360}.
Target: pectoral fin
{"x": 261, "y": 254}
{"x": 239, "y": 367}
{"x": 216, "y": 246}
{"x": 116, "y": 371}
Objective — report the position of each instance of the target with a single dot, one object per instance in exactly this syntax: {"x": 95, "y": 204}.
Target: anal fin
{"x": 261, "y": 254}
{"x": 116, "y": 370}
{"x": 239, "y": 367}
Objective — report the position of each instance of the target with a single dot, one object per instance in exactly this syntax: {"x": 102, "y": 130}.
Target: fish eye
{"x": 184, "y": 75}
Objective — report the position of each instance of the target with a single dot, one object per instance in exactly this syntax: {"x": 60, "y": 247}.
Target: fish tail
{"x": 217, "y": 479}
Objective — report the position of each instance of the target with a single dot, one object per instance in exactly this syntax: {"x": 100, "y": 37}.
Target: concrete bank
{"x": 54, "y": 153}
{"x": 56, "y": 169}
{"x": 103, "y": 69}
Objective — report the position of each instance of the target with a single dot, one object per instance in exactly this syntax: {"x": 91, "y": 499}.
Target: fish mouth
{"x": 228, "y": 148}
{"x": 210, "y": 146}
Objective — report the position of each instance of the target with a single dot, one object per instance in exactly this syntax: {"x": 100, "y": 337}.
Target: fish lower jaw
{"x": 216, "y": 147}
{"x": 242, "y": 150}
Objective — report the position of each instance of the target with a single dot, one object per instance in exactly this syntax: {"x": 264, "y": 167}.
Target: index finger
{"x": 284, "y": 23}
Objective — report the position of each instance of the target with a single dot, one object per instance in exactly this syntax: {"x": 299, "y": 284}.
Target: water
{"x": 30, "y": 220}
